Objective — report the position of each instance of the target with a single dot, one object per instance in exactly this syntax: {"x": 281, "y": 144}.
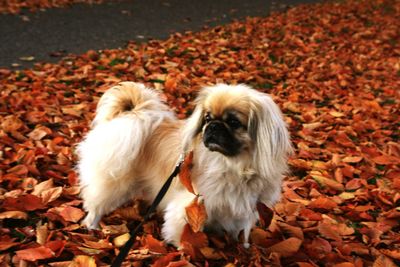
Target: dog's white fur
{"x": 135, "y": 142}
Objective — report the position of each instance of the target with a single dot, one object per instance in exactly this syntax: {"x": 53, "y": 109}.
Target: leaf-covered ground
{"x": 17, "y": 6}
{"x": 334, "y": 69}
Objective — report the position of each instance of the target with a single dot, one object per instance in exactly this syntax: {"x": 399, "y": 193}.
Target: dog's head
{"x": 235, "y": 119}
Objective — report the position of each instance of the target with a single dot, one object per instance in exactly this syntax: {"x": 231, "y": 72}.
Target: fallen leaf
{"x": 383, "y": 261}
{"x": 287, "y": 247}
{"x": 266, "y": 214}
{"x": 14, "y": 215}
{"x": 324, "y": 181}
{"x": 70, "y": 214}
{"x": 83, "y": 261}
{"x": 386, "y": 160}
{"x": 196, "y": 215}
{"x": 34, "y": 254}
{"x": 184, "y": 174}
{"x": 154, "y": 245}
{"x": 120, "y": 240}
{"x": 197, "y": 240}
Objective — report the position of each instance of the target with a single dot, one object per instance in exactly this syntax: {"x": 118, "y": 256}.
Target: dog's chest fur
{"x": 228, "y": 190}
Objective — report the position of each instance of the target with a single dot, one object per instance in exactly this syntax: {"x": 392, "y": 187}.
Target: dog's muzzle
{"x": 217, "y": 137}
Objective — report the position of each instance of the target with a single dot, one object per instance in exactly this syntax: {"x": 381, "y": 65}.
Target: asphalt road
{"x": 46, "y": 35}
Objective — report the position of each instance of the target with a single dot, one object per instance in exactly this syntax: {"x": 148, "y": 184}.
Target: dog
{"x": 240, "y": 146}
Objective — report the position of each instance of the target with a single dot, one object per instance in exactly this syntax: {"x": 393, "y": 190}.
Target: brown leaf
{"x": 34, "y": 254}
{"x": 42, "y": 233}
{"x": 196, "y": 215}
{"x": 287, "y": 247}
{"x": 70, "y": 214}
{"x": 292, "y": 231}
{"x": 14, "y": 214}
{"x": 43, "y": 186}
{"x": 210, "y": 253}
{"x": 324, "y": 181}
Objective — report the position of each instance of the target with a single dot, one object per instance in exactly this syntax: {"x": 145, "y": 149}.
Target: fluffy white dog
{"x": 240, "y": 146}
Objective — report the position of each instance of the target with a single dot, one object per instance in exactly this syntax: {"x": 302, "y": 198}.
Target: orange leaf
{"x": 70, "y": 214}
{"x": 327, "y": 230}
{"x": 197, "y": 240}
{"x": 287, "y": 247}
{"x": 4, "y": 245}
{"x": 383, "y": 261}
{"x": 84, "y": 261}
{"x": 34, "y": 254}
{"x": 196, "y": 215}
{"x": 323, "y": 203}
{"x": 154, "y": 245}
{"x": 180, "y": 263}
{"x": 386, "y": 160}
{"x": 184, "y": 174}
{"x": 392, "y": 253}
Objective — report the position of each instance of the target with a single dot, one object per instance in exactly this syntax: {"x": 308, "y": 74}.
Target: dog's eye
{"x": 207, "y": 118}
{"x": 234, "y": 123}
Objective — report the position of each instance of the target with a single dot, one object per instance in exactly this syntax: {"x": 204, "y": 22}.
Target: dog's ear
{"x": 269, "y": 133}
{"x": 194, "y": 124}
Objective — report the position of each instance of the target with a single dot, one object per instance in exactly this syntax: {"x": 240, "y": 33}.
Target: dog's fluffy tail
{"x": 126, "y": 116}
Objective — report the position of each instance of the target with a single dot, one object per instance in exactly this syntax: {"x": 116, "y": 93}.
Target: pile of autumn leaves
{"x": 18, "y": 6}
{"x": 334, "y": 70}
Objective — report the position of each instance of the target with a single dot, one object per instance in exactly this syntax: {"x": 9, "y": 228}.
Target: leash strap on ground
{"x": 127, "y": 246}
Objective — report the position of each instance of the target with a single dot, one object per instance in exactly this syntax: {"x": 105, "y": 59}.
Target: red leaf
{"x": 165, "y": 260}
{"x": 34, "y": 254}
{"x": 57, "y": 246}
{"x": 386, "y": 160}
{"x": 184, "y": 174}
{"x": 196, "y": 215}
{"x": 23, "y": 203}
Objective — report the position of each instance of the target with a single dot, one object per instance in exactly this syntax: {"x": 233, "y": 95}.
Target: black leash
{"x": 127, "y": 246}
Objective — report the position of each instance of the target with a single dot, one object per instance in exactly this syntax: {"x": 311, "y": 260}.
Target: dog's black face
{"x": 222, "y": 134}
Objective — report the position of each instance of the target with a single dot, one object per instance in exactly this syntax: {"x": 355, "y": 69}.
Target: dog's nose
{"x": 216, "y": 126}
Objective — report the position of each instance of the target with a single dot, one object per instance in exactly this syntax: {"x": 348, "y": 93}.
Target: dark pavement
{"x": 46, "y": 35}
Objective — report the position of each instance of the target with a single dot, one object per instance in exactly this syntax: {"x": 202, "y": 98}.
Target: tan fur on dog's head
{"x": 260, "y": 130}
